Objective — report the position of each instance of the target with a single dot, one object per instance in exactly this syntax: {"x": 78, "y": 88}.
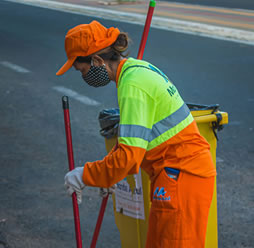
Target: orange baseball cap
{"x": 86, "y": 39}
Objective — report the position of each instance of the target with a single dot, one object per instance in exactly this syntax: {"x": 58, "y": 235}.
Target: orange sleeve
{"x": 114, "y": 167}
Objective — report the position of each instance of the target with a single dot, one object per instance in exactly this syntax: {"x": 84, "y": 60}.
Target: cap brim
{"x": 66, "y": 66}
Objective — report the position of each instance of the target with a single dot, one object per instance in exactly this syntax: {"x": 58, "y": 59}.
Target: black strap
{"x": 216, "y": 125}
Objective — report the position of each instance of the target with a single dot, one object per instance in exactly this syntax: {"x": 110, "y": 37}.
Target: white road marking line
{"x": 186, "y": 27}
{"x": 71, "y": 93}
{"x": 219, "y": 160}
{"x": 14, "y": 67}
{"x": 234, "y": 123}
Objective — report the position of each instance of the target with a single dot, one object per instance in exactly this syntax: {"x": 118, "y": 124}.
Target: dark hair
{"x": 116, "y": 51}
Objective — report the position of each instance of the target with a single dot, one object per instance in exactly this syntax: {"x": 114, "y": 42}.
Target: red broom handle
{"x": 140, "y": 56}
{"x": 65, "y": 102}
{"x": 99, "y": 222}
{"x": 100, "y": 217}
{"x": 146, "y": 29}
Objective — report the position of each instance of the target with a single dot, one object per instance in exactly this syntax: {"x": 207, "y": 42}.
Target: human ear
{"x": 97, "y": 60}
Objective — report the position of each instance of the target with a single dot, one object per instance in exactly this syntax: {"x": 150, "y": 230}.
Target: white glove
{"x": 74, "y": 183}
{"x": 107, "y": 191}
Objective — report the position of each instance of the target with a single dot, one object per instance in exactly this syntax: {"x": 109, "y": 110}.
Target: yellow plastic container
{"x": 133, "y": 231}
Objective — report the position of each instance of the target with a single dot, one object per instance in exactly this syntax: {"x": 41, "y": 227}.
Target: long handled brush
{"x": 65, "y": 102}
{"x": 140, "y": 56}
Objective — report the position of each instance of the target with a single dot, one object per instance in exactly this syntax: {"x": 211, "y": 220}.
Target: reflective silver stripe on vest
{"x": 169, "y": 122}
{"x": 136, "y": 131}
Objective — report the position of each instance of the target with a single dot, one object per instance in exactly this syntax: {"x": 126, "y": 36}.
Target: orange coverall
{"x": 180, "y": 221}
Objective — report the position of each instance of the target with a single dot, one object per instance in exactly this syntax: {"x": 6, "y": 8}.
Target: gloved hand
{"x": 107, "y": 191}
{"x": 74, "y": 183}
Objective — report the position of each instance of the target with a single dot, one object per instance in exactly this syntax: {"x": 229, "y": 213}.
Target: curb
{"x": 206, "y": 30}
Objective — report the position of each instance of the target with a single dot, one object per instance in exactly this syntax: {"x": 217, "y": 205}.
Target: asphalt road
{"x": 35, "y": 211}
{"x": 232, "y": 4}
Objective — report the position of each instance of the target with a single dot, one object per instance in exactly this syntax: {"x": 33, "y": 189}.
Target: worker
{"x": 156, "y": 133}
